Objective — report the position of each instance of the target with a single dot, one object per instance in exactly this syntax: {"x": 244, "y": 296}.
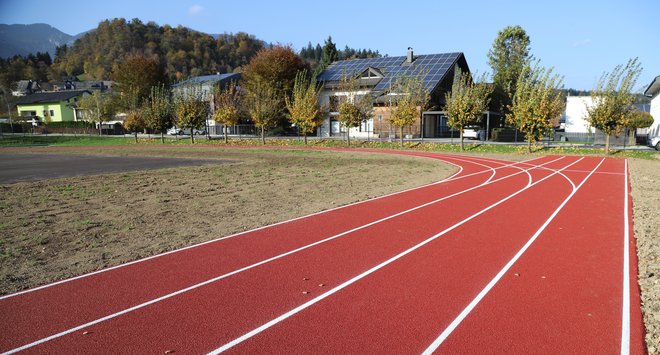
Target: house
{"x": 375, "y": 76}
{"x": 26, "y": 87}
{"x": 57, "y": 106}
{"x": 205, "y": 86}
{"x": 576, "y": 114}
{"x": 653, "y": 91}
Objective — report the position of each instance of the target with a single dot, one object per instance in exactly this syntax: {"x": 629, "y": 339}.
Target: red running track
{"x": 502, "y": 257}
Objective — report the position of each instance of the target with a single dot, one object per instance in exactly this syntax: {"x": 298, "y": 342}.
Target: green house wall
{"x": 61, "y": 110}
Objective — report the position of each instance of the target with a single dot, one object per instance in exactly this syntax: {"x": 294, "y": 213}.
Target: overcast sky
{"x": 581, "y": 39}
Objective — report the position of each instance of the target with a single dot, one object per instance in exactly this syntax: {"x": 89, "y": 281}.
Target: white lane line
{"x": 317, "y": 299}
{"x": 461, "y": 316}
{"x": 625, "y": 315}
{"x": 452, "y": 177}
{"x": 96, "y": 321}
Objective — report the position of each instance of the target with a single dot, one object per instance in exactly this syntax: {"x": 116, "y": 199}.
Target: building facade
{"x": 50, "y": 106}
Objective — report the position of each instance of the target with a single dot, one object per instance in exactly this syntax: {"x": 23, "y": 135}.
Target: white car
{"x": 471, "y": 132}
{"x": 654, "y": 142}
{"x": 180, "y": 131}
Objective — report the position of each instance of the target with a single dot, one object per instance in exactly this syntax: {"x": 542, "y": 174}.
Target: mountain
{"x": 25, "y": 39}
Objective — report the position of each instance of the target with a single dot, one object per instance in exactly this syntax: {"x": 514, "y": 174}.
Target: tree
{"x": 508, "y": 57}
{"x": 466, "y": 102}
{"x": 135, "y": 122}
{"x": 134, "y": 77}
{"x": 329, "y": 53}
{"x": 351, "y": 106}
{"x": 537, "y": 104}
{"x": 303, "y": 106}
{"x": 191, "y": 110}
{"x": 99, "y": 107}
{"x": 637, "y": 119}
{"x": 227, "y": 106}
{"x": 262, "y": 103}
{"x": 612, "y": 99}
{"x": 408, "y": 99}
{"x": 158, "y": 110}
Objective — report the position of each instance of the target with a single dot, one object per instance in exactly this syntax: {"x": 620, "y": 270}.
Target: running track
{"x": 501, "y": 257}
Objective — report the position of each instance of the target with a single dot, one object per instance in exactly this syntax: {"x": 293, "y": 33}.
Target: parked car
{"x": 179, "y": 131}
{"x": 654, "y": 142}
{"x": 473, "y": 132}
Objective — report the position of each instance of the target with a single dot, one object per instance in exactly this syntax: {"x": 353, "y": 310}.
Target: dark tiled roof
{"x": 49, "y": 97}
{"x": 209, "y": 78}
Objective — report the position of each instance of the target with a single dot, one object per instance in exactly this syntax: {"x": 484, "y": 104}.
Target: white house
{"x": 653, "y": 91}
{"x": 205, "y": 86}
{"x": 576, "y": 114}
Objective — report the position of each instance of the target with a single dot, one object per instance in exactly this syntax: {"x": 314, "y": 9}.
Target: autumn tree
{"x": 276, "y": 67}
{"x": 133, "y": 79}
{"x": 135, "y": 122}
{"x": 261, "y": 101}
{"x": 537, "y": 104}
{"x": 226, "y": 101}
{"x": 637, "y": 119}
{"x": 408, "y": 98}
{"x": 304, "y": 110}
{"x": 351, "y": 106}
{"x": 158, "y": 110}
{"x": 98, "y": 107}
{"x": 466, "y": 102}
{"x": 508, "y": 58}
{"x": 613, "y": 98}
{"x": 191, "y": 110}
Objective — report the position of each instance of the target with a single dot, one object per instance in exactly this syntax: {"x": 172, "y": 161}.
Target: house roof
{"x": 653, "y": 88}
{"x": 432, "y": 67}
{"x": 44, "y": 97}
{"x": 209, "y": 79}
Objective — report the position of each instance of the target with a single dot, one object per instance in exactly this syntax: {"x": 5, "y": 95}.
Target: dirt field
{"x": 53, "y": 229}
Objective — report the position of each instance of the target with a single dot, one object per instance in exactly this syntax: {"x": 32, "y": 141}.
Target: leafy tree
{"x": 134, "y": 77}
{"x": 261, "y": 101}
{"x": 227, "y": 106}
{"x": 612, "y": 99}
{"x": 135, "y": 122}
{"x": 409, "y": 98}
{"x": 191, "y": 110}
{"x": 637, "y": 119}
{"x": 303, "y": 106}
{"x": 158, "y": 110}
{"x": 329, "y": 53}
{"x": 275, "y": 67}
{"x": 537, "y": 104}
{"x": 352, "y": 108}
{"x": 508, "y": 57}
{"x": 466, "y": 102}
{"x": 99, "y": 107}
{"x": 349, "y": 116}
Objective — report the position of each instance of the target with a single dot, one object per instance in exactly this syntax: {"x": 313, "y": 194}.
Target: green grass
{"x": 296, "y": 143}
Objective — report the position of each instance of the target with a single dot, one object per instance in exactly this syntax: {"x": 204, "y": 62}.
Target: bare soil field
{"x": 58, "y": 228}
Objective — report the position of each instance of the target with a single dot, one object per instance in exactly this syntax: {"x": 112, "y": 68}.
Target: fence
{"x": 236, "y": 130}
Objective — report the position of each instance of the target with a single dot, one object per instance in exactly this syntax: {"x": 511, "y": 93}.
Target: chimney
{"x": 409, "y": 56}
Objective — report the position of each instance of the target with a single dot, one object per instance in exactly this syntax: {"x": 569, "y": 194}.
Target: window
{"x": 52, "y": 113}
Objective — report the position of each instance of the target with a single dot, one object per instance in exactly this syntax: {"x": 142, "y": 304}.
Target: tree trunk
{"x": 607, "y": 144}
{"x": 348, "y": 136}
{"x": 305, "y": 137}
{"x": 224, "y": 129}
{"x": 100, "y": 128}
{"x": 263, "y": 135}
{"x": 401, "y": 136}
{"x": 162, "y": 137}
{"x": 192, "y": 136}
{"x": 460, "y": 135}
{"x": 529, "y": 145}
{"x": 135, "y": 137}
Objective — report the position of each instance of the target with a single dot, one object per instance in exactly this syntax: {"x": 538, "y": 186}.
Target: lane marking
{"x": 461, "y": 316}
{"x": 440, "y": 157}
{"x": 317, "y": 299}
{"x": 172, "y": 294}
{"x": 625, "y": 316}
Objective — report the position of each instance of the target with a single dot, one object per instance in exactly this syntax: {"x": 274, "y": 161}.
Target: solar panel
{"x": 432, "y": 68}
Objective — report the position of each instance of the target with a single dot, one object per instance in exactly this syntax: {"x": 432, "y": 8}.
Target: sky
{"x": 580, "y": 39}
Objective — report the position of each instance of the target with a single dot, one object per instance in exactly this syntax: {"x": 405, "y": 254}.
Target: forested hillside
{"x": 180, "y": 51}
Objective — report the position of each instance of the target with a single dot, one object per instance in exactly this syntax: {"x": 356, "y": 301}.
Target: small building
{"x": 205, "y": 86}
{"x": 57, "y": 106}
{"x": 376, "y": 76}
{"x": 653, "y": 91}
{"x": 576, "y": 114}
